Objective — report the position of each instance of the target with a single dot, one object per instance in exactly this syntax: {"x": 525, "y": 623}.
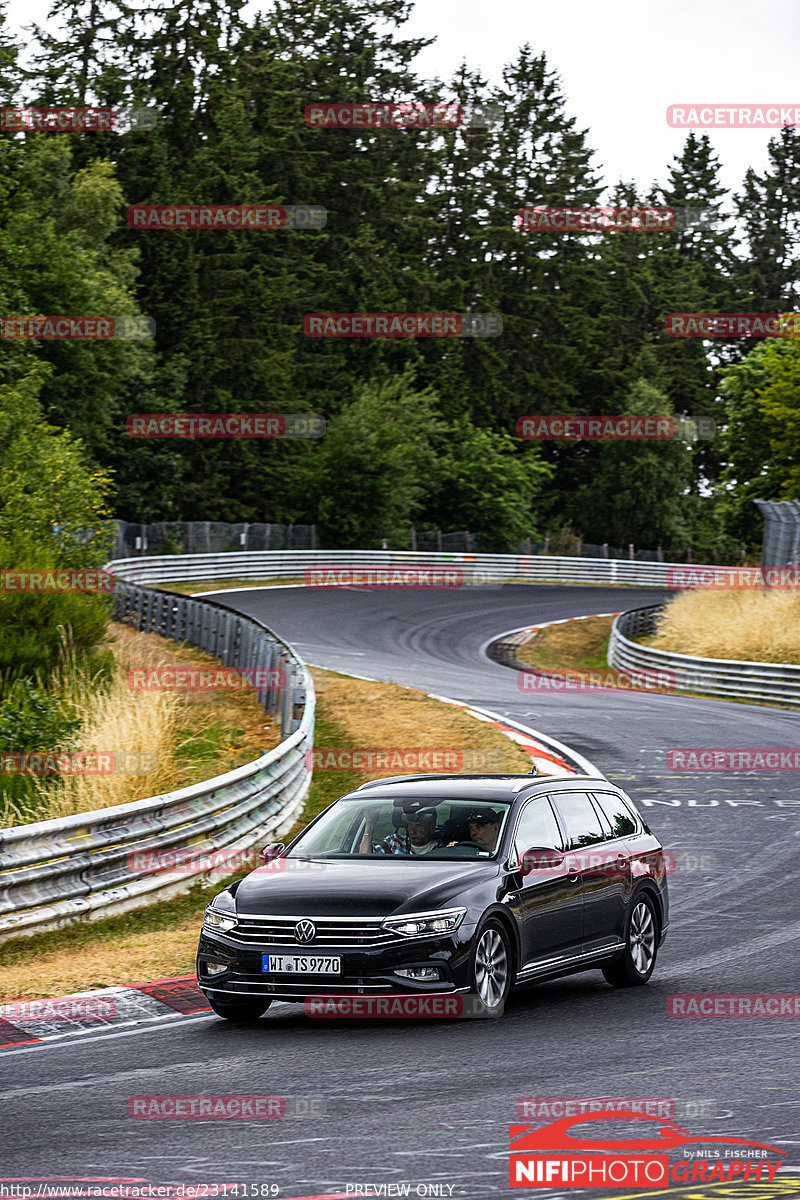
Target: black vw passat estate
{"x": 442, "y": 883}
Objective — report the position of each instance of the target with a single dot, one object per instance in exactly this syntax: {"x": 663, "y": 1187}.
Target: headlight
{"x": 445, "y": 921}
{"x": 218, "y": 920}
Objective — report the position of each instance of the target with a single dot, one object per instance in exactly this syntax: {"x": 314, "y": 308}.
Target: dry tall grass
{"x": 758, "y": 625}
{"x": 160, "y": 740}
{"x": 137, "y": 728}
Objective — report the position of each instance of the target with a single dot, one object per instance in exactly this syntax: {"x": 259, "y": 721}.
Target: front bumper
{"x": 365, "y": 971}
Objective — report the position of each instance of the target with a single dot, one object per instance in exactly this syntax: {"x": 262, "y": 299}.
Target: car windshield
{"x": 364, "y": 827}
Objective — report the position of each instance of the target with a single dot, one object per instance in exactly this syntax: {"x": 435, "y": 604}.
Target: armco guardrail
{"x": 98, "y": 863}
{"x": 473, "y": 568}
{"x": 770, "y": 683}
{"x": 764, "y": 682}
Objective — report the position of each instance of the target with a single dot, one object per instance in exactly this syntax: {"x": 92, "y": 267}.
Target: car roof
{"x": 504, "y": 788}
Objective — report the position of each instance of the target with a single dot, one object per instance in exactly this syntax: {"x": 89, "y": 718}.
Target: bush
{"x": 52, "y": 515}
{"x": 35, "y": 625}
{"x": 35, "y": 722}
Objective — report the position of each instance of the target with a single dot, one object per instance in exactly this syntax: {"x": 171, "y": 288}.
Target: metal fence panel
{"x": 770, "y": 683}
{"x": 781, "y": 545}
{"x": 475, "y": 567}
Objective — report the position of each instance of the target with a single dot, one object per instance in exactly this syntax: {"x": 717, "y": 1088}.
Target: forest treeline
{"x": 420, "y": 432}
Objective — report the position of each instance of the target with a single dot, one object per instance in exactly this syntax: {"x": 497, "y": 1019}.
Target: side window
{"x": 580, "y": 820}
{"x": 605, "y": 824}
{"x": 537, "y": 827}
{"x": 616, "y": 812}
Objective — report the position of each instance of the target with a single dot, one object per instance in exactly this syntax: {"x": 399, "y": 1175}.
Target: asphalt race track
{"x": 429, "y": 1103}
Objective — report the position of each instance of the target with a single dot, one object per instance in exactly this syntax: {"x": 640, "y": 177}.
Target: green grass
{"x": 200, "y": 753}
{"x": 573, "y": 646}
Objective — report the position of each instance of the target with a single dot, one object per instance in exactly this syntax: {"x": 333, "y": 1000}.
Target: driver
{"x": 484, "y": 827}
{"x": 420, "y": 839}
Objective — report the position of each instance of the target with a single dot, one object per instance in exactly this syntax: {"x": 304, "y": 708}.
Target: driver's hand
{"x": 452, "y": 843}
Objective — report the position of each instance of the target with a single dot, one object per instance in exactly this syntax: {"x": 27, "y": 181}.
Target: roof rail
{"x": 528, "y": 782}
{"x": 440, "y": 776}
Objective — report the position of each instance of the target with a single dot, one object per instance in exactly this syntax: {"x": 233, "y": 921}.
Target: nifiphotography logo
{"x": 550, "y": 1156}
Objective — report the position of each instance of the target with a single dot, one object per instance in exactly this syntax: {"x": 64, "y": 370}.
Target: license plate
{"x": 301, "y": 964}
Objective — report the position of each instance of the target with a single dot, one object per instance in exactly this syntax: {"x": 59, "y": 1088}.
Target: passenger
{"x": 419, "y": 838}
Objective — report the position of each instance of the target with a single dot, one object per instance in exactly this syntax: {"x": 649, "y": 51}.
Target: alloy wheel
{"x": 491, "y": 967}
{"x": 642, "y": 937}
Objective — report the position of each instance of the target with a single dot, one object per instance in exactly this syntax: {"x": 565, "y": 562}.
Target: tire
{"x": 491, "y": 968}
{"x": 240, "y": 1011}
{"x": 636, "y": 963}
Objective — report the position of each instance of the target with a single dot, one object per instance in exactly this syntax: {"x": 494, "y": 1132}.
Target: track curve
{"x": 430, "y": 1103}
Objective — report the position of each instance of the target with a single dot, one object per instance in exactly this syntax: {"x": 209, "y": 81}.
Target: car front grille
{"x": 331, "y": 933}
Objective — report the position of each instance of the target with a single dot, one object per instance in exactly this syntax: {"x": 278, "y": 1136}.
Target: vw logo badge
{"x": 305, "y": 931}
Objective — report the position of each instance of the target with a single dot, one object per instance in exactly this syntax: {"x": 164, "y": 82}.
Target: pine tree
{"x": 9, "y": 68}
{"x": 769, "y": 210}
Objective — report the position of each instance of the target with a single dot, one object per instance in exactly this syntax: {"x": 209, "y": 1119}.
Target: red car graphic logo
{"x": 556, "y": 1136}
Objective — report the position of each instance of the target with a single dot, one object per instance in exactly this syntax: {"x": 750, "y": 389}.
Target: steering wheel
{"x": 468, "y": 842}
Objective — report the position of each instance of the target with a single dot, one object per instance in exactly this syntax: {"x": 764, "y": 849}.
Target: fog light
{"x": 419, "y": 972}
{"x": 212, "y": 968}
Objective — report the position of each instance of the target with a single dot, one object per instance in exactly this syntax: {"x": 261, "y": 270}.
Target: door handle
{"x": 573, "y": 878}
{"x": 622, "y": 861}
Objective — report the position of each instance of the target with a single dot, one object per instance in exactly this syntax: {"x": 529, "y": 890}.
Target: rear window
{"x": 616, "y": 813}
{"x": 580, "y": 820}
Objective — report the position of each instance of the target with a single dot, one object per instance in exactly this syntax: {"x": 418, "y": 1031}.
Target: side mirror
{"x": 274, "y": 850}
{"x": 540, "y": 858}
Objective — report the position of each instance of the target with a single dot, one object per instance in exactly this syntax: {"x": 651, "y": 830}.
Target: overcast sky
{"x": 621, "y": 63}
